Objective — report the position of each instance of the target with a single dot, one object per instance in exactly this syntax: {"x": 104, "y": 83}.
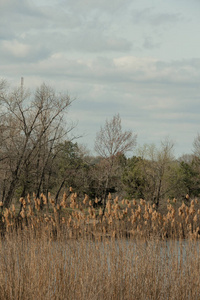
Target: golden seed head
{"x": 21, "y": 200}
{"x": 22, "y": 213}
{"x": 195, "y": 218}
{"x": 134, "y": 202}
{"x": 116, "y": 200}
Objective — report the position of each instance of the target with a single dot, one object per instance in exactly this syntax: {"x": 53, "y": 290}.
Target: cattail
{"x": 13, "y": 208}
{"x": 116, "y": 200}
{"x": 150, "y": 210}
{"x": 191, "y": 210}
{"x": 187, "y": 197}
{"x": 52, "y": 201}
{"x": 24, "y": 203}
{"x": 109, "y": 196}
{"x": 195, "y": 218}
{"x": 6, "y": 213}
{"x": 22, "y": 213}
{"x": 133, "y": 219}
{"x": 114, "y": 234}
{"x": 125, "y": 211}
{"x": 30, "y": 211}
{"x": 142, "y": 202}
{"x": 44, "y": 199}
{"x": 46, "y": 219}
{"x": 187, "y": 210}
{"x": 21, "y": 200}
{"x": 110, "y": 220}
{"x": 28, "y": 198}
{"x": 146, "y": 215}
{"x": 180, "y": 211}
{"x": 173, "y": 213}
{"x": 134, "y": 202}
{"x": 139, "y": 208}
{"x": 154, "y": 216}
{"x": 169, "y": 207}
{"x": 183, "y": 205}
{"x": 85, "y": 199}
{"x": 70, "y": 219}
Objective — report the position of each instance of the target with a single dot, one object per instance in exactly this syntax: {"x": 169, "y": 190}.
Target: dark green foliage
{"x": 132, "y": 178}
{"x": 190, "y": 177}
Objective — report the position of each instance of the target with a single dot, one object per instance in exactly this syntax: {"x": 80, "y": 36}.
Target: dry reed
{"x": 71, "y": 250}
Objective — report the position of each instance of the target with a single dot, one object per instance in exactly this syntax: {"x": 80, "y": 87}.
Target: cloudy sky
{"x": 138, "y": 58}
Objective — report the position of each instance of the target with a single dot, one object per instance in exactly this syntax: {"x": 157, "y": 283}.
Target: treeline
{"x": 38, "y": 156}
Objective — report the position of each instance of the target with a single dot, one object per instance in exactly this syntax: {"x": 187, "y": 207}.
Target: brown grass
{"x": 73, "y": 251}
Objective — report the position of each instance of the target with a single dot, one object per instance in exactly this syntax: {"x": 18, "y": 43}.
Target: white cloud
{"x": 15, "y": 48}
{"x": 104, "y": 5}
{"x": 113, "y": 56}
{"x": 151, "y": 16}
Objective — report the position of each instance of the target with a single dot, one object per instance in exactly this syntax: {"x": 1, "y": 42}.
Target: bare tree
{"x": 158, "y": 169}
{"x": 111, "y": 142}
{"x": 30, "y": 127}
{"x": 196, "y": 146}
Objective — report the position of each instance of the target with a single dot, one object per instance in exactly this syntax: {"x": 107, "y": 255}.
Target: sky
{"x": 138, "y": 58}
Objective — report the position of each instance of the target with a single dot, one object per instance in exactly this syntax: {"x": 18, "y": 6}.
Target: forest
{"x": 39, "y": 154}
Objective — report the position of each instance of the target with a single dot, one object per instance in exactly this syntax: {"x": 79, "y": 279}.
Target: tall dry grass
{"x": 73, "y": 217}
{"x": 108, "y": 269}
{"x": 70, "y": 250}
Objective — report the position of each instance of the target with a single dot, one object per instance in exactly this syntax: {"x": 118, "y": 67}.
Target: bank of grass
{"x": 71, "y": 250}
